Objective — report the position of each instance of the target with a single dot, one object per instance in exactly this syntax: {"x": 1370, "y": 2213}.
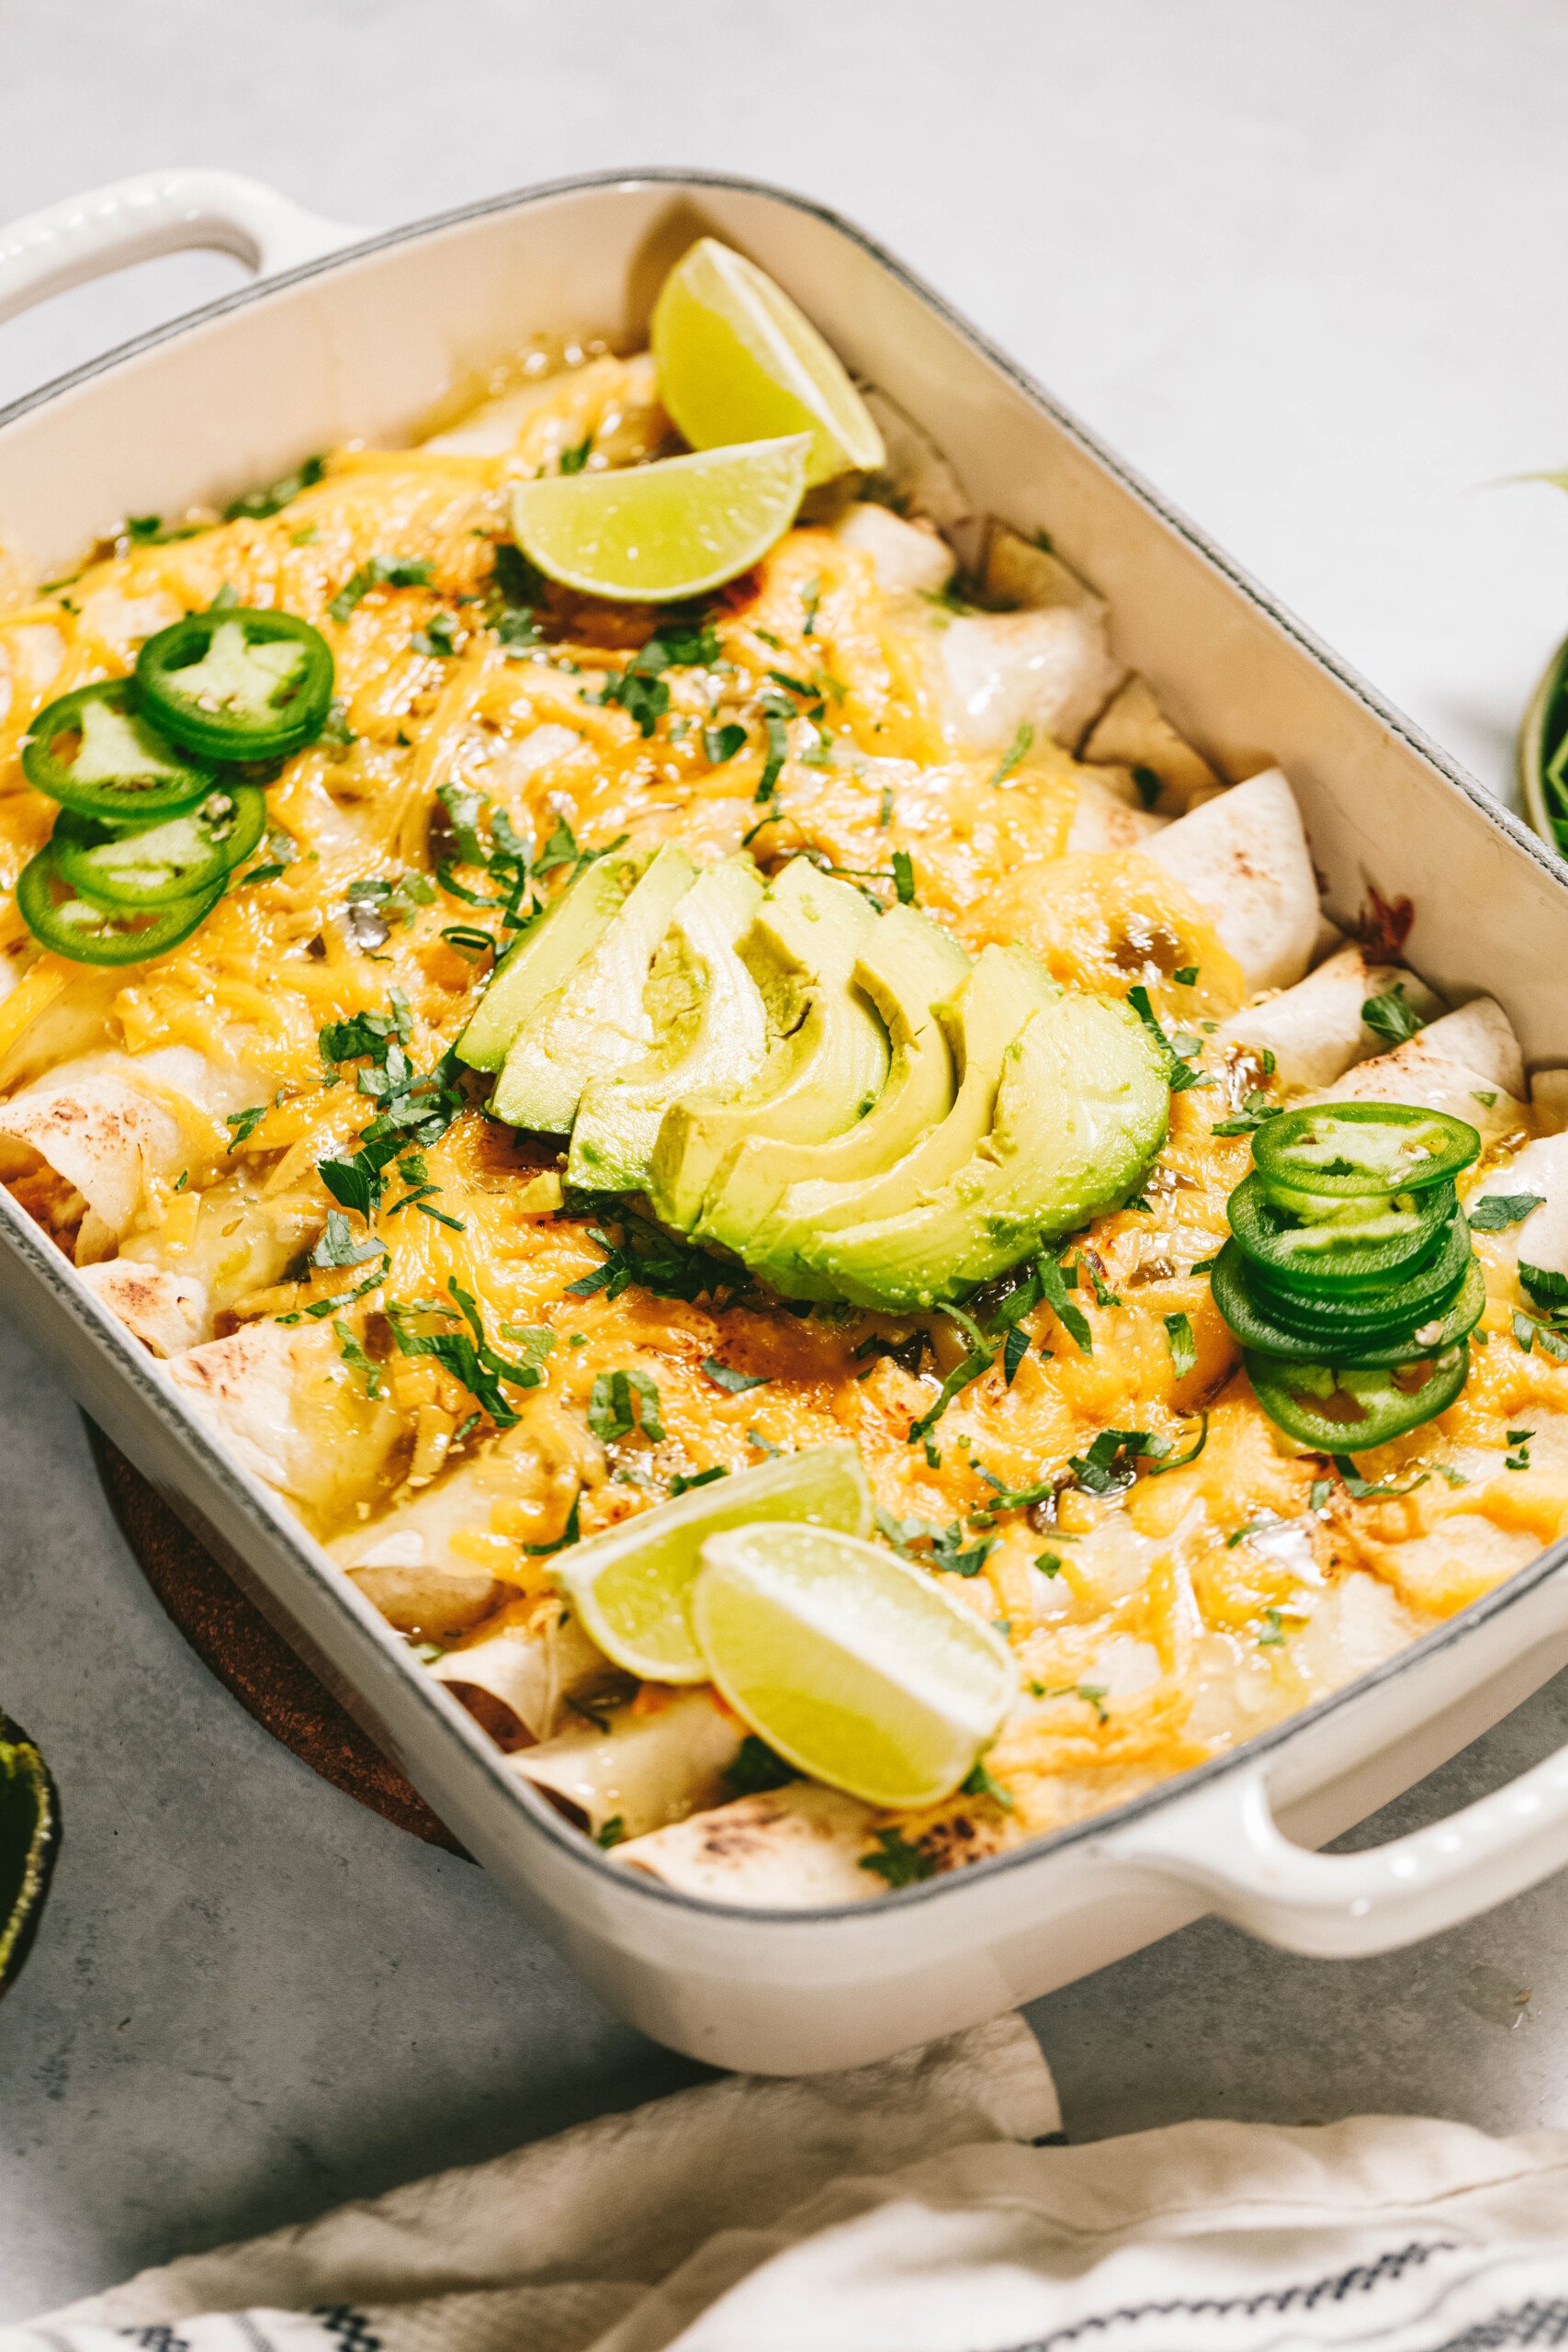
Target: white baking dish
{"x": 365, "y": 340}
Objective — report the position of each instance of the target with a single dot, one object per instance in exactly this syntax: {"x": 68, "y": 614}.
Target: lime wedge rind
{"x": 660, "y": 533}
{"x": 738, "y": 360}
{"x": 630, "y": 1588}
{"x": 853, "y": 1666}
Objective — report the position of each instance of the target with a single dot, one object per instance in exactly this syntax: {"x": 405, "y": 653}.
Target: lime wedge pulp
{"x": 650, "y": 534}
{"x": 631, "y": 1588}
{"x": 857, "y": 1668}
{"x": 737, "y": 360}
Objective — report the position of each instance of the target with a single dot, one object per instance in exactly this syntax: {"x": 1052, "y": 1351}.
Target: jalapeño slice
{"x": 93, "y": 751}
{"x": 74, "y": 927}
{"x": 1341, "y": 1322}
{"x": 1349, "y": 1150}
{"x": 237, "y": 684}
{"x": 1340, "y": 1245}
{"x": 179, "y": 856}
{"x": 1249, "y": 1318}
{"x": 1340, "y": 1410}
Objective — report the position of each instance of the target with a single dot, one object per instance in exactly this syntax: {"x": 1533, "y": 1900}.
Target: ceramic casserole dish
{"x": 347, "y": 335}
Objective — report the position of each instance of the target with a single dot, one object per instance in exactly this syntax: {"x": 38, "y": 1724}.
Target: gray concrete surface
{"x": 1298, "y": 259}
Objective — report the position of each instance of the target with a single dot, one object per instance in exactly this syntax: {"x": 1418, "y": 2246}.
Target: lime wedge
{"x": 737, "y": 360}
{"x": 631, "y": 1588}
{"x": 859, "y": 1669}
{"x": 648, "y": 534}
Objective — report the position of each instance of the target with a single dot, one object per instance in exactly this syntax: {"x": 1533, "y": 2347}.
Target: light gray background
{"x": 1301, "y": 261}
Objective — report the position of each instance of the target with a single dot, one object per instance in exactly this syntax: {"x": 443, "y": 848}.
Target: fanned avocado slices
{"x": 546, "y": 956}
{"x": 708, "y": 1014}
{"x": 1081, "y": 1109}
{"x": 909, "y": 969}
{"x": 595, "y": 1023}
{"x": 1006, "y": 987}
{"x": 826, "y": 1065}
{"x": 29, "y": 1837}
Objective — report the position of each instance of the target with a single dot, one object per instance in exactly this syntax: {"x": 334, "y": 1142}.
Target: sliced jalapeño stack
{"x": 156, "y": 806}
{"x": 1349, "y": 1279}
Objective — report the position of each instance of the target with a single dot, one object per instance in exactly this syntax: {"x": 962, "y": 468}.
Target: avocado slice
{"x": 1081, "y": 1110}
{"x": 907, "y": 967}
{"x": 703, "y": 1002}
{"x": 594, "y": 1022}
{"x": 30, "y": 1837}
{"x": 827, "y": 1059}
{"x": 980, "y": 1022}
{"x": 546, "y": 956}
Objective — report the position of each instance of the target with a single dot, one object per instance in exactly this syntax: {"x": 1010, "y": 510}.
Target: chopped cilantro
{"x": 724, "y": 1375}
{"x": 1499, "y": 1210}
{"x": 980, "y": 1785}
{"x": 721, "y": 744}
{"x": 682, "y": 1484}
{"x": 756, "y": 1769}
{"x": 1017, "y": 751}
{"x": 436, "y": 639}
{"x": 377, "y": 573}
{"x": 904, "y": 877}
{"x": 1182, "y": 1345}
{"x": 614, "y": 1829}
{"x": 353, "y": 1355}
{"x": 1392, "y": 1016}
{"x": 615, "y": 1402}
{"x": 243, "y": 1124}
{"x": 898, "y": 1863}
{"x": 256, "y": 505}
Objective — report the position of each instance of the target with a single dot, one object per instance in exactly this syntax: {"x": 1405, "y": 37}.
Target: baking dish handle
{"x": 1223, "y": 1842}
{"x": 158, "y": 212}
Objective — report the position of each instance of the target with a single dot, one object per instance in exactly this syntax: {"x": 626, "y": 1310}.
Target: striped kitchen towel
{"x": 916, "y": 2206}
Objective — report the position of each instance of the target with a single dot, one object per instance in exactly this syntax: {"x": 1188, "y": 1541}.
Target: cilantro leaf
{"x": 337, "y": 1246}
{"x": 1054, "y": 1289}
{"x": 1498, "y": 1210}
{"x": 1017, "y": 751}
{"x": 756, "y": 1769}
{"x": 1392, "y": 1016}
{"x": 256, "y": 505}
{"x": 898, "y": 1863}
{"x": 1182, "y": 1345}
{"x": 725, "y": 1377}
{"x": 244, "y": 1124}
{"x": 614, "y": 1404}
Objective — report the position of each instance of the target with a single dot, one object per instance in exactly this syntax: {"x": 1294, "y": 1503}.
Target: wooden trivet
{"x": 249, "y": 1655}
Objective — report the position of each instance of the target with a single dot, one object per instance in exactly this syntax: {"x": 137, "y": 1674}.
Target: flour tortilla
{"x": 1134, "y": 732}
{"x": 1244, "y": 857}
{"x": 647, "y": 1768}
{"x": 1314, "y": 1031}
{"x": 1105, "y": 820}
{"x": 1468, "y": 1064}
{"x": 996, "y": 674}
{"x": 283, "y": 1402}
{"x": 909, "y": 558}
{"x": 167, "y": 1312}
{"x": 527, "y": 1670}
{"x": 787, "y": 1849}
{"x": 806, "y": 1844}
{"x": 1541, "y": 1239}
{"x": 417, "y": 1561}
{"x": 1021, "y": 573}
{"x": 114, "y": 1126}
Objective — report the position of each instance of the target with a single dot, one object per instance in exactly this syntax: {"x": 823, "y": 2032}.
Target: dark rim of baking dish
{"x": 257, "y": 1506}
